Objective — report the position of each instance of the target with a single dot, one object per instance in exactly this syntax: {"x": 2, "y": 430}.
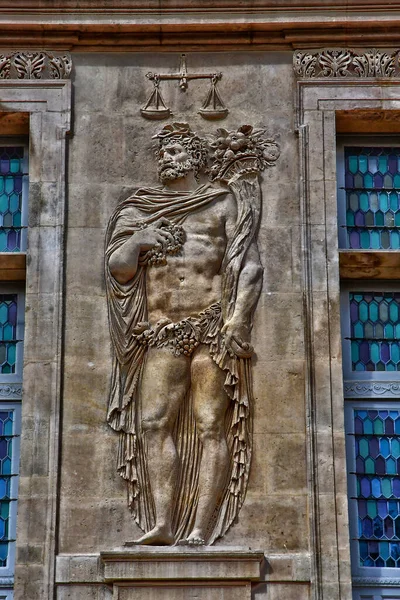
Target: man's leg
{"x": 164, "y": 384}
{"x": 210, "y": 403}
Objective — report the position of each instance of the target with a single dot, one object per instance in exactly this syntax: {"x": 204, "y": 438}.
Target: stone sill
{"x": 237, "y": 563}
{"x": 12, "y": 266}
{"x": 369, "y": 264}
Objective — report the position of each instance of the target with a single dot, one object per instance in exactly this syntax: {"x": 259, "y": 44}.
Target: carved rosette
{"x": 32, "y": 64}
{"x": 344, "y": 62}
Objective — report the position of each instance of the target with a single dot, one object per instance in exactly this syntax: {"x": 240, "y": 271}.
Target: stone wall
{"x": 110, "y": 154}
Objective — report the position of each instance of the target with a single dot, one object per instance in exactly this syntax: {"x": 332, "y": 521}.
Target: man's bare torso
{"x": 191, "y": 282}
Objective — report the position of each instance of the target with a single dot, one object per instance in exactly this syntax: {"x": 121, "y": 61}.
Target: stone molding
{"x": 34, "y": 64}
{"x": 11, "y": 390}
{"x": 159, "y": 563}
{"x": 357, "y": 389}
{"x": 346, "y": 63}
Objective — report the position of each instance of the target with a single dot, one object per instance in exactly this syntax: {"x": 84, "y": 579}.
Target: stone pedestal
{"x": 158, "y": 573}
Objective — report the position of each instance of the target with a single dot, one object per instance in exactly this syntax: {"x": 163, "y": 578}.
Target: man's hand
{"x": 154, "y": 236}
{"x": 237, "y": 338}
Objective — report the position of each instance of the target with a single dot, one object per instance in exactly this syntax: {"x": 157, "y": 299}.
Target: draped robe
{"x": 127, "y": 307}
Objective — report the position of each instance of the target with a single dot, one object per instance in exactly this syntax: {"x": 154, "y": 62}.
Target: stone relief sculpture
{"x": 183, "y": 278}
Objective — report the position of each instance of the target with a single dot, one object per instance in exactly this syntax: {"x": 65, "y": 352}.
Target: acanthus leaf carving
{"x": 31, "y": 64}
{"x": 345, "y": 62}
{"x": 335, "y": 63}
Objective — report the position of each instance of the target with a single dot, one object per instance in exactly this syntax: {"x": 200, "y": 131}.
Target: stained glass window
{"x": 6, "y": 454}
{"x": 11, "y": 190}
{"x": 8, "y": 332}
{"x": 372, "y": 188}
{"x": 377, "y": 451}
{"x": 375, "y": 331}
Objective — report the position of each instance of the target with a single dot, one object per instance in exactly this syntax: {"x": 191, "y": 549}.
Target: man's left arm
{"x": 237, "y": 331}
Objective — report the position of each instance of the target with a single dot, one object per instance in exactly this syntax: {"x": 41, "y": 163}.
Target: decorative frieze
{"x": 370, "y": 389}
{"x": 344, "y": 62}
{"x": 11, "y": 390}
{"x": 37, "y": 64}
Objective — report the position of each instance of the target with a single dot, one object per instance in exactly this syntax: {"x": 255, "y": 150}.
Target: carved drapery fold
{"x": 345, "y": 62}
{"x": 34, "y": 64}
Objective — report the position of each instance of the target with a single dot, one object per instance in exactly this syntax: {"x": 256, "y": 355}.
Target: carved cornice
{"x": 346, "y": 63}
{"x": 12, "y": 390}
{"x": 32, "y": 64}
{"x": 357, "y": 389}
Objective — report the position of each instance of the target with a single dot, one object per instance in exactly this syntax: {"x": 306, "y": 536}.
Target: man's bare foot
{"x": 158, "y": 536}
{"x": 194, "y": 539}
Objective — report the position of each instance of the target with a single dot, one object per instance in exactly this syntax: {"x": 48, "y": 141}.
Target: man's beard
{"x": 172, "y": 171}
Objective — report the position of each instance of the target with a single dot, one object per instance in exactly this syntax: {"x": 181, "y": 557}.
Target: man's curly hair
{"x": 195, "y": 146}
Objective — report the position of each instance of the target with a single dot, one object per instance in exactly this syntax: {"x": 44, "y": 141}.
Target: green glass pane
{"x": 363, "y": 446}
{"x": 14, "y": 202}
{"x": 389, "y": 331}
{"x": 353, "y": 164}
{"x": 375, "y": 352}
{"x": 6, "y": 369}
{"x": 3, "y": 203}
{"x": 384, "y": 550}
{"x": 375, "y": 240}
{"x": 369, "y": 466}
{"x": 368, "y": 427}
{"x": 383, "y": 163}
{"x": 354, "y": 352}
{"x": 379, "y": 219}
{"x": 1, "y": 184}
{"x": 15, "y": 166}
{"x": 3, "y": 313}
{"x": 372, "y": 510}
{"x": 358, "y": 487}
{"x": 11, "y": 354}
{"x": 396, "y": 181}
{"x": 391, "y": 466}
{"x": 395, "y": 352}
{"x": 395, "y": 448}
{"x": 390, "y": 367}
{"x": 358, "y": 330}
{"x": 362, "y": 163}
{"x": 364, "y": 202}
{"x": 363, "y": 311}
{"x": 373, "y": 311}
{"x": 378, "y": 426}
{"x": 359, "y": 367}
{"x": 394, "y": 240}
{"x": 17, "y": 219}
{"x": 364, "y": 238}
{"x": 9, "y": 185}
{"x": 383, "y": 201}
{"x": 8, "y": 332}
{"x": 394, "y": 201}
{"x": 386, "y": 487}
{"x": 350, "y": 218}
{"x": 8, "y": 427}
{"x": 368, "y": 181}
{"x": 4, "y": 510}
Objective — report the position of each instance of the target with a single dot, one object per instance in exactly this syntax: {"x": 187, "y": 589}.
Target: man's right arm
{"x": 123, "y": 262}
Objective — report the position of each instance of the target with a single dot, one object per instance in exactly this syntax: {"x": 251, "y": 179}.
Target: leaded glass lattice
{"x": 6, "y": 449}
{"x": 377, "y": 451}
{"x": 11, "y": 181}
{"x": 372, "y": 186}
{"x": 375, "y": 331}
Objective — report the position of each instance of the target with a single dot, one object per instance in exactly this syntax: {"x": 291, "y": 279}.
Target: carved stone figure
{"x": 183, "y": 279}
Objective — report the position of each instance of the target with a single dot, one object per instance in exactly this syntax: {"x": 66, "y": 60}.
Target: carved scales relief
{"x": 28, "y": 64}
{"x": 183, "y": 279}
{"x": 342, "y": 62}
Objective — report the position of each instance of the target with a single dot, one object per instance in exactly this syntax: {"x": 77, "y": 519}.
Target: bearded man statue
{"x": 183, "y": 278}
